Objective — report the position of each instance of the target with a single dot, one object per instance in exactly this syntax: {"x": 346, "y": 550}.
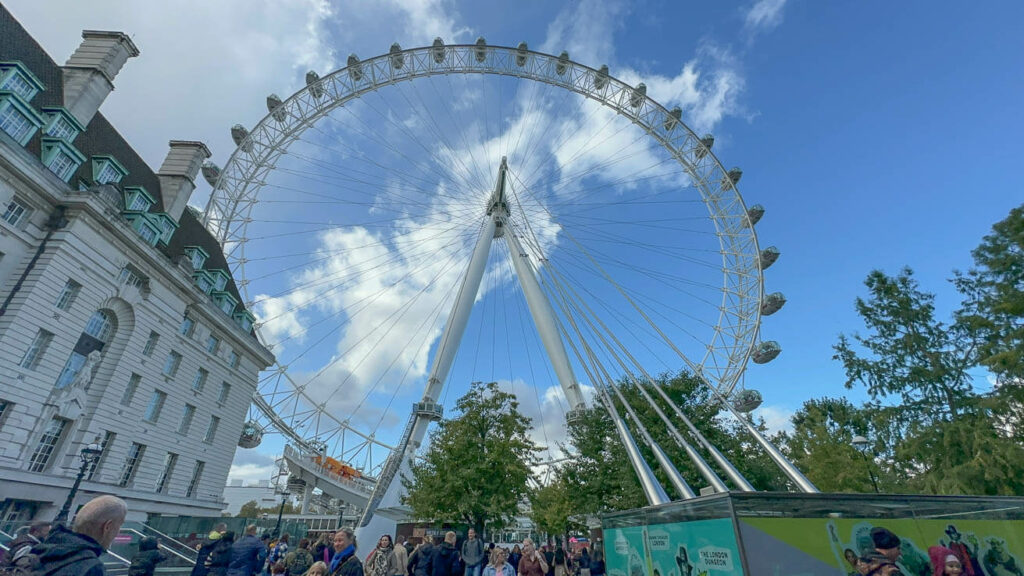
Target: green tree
{"x": 909, "y": 353}
{"x": 551, "y": 507}
{"x": 993, "y": 292}
{"x": 966, "y": 455}
{"x": 599, "y": 471}
{"x": 821, "y": 445}
{"x": 476, "y": 469}
{"x": 250, "y": 509}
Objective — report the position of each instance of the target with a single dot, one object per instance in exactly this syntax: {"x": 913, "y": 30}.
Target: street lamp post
{"x": 861, "y": 444}
{"x": 280, "y": 512}
{"x": 89, "y": 455}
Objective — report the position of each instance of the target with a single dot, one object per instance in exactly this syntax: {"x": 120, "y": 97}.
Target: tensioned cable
{"x": 371, "y": 299}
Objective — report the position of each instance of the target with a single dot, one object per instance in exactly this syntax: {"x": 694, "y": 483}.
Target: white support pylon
{"x": 388, "y": 491}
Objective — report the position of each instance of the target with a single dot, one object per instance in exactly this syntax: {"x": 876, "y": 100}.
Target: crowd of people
{"x": 57, "y": 550}
{"x": 222, "y": 554}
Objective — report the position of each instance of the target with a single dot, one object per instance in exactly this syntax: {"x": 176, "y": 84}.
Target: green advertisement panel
{"x": 698, "y": 548}
{"x": 830, "y": 546}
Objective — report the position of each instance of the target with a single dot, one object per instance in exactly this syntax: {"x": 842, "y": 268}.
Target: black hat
{"x": 884, "y": 539}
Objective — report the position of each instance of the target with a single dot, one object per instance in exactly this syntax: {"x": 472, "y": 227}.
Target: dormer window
{"x": 18, "y": 119}
{"x": 16, "y": 78}
{"x": 61, "y": 158}
{"x": 144, "y": 226}
{"x": 220, "y": 279}
{"x": 204, "y": 280}
{"x": 137, "y": 199}
{"x": 225, "y": 301}
{"x": 197, "y": 256}
{"x": 106, "y": 170}
{"x": 244, "y": 318}
{"x": 167, "y": 226}
{"x": 61, "y": 124}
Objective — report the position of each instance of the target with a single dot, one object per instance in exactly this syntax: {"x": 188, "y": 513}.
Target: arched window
{"x": 99, "y": 326}
{"x": 98, "y": 331}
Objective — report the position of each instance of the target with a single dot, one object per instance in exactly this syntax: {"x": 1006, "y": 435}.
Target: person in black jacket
{"x": 216, "y": 563}
{"x": 203, "y": 552}
{"x": 445, "y": 561}
{"x": 420, "y": 561}
{"x": 145, "y": 560}
{"x": 76, "y": 552}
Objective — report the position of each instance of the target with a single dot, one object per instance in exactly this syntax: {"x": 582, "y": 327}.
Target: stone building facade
{"x": 120, "y": 324}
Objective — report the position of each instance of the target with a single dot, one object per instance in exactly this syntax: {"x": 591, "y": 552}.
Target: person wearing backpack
{"x": 298, "y": 561}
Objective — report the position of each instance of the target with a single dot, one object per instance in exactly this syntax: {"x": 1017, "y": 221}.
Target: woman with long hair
{"x": 382, "y": 561}
{"x": 498, "y": 565}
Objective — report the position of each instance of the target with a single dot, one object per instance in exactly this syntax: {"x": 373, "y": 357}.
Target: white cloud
{"x": 252, "y": 465}
{"x": 776, "y": 417}
{"x": 764, "y": 15}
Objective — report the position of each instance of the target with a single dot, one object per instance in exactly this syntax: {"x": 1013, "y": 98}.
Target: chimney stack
{"x": 178, "y": 174}
{"x": 89, "y": 73}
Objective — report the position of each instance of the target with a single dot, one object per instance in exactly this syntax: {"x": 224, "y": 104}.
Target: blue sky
{"x": 876, "y": 136}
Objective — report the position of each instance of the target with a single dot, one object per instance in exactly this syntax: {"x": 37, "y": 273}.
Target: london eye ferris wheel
{"x": 435, "y": 216}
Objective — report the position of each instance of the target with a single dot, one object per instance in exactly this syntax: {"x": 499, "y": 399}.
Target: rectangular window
{"x": 62, "y": 165}
{"x": 204, "y": 283}
{"x": 156, "y": 404}
{"x": 5, "y": 408}
{"x": 212, "y": 344}
{"x": 147, "y": 233}
{"x": 171, "y": 364}
{"x": 47, "y": 445}
{"x": 225, "y": 392}
{"x": 151, "y": 343}
{"x": 131, "y": 463}
{"x": 36, "y": 349}
{"x": 187, "y": 326}
{"x": 129, "y": 392}
{"x": 70, "y": 371}
{"x": 109, "y": 174}
{"x": 15, "y": 124}
{"x": 198, "y": 259}
{"x": 200, "y": 380}
{"x": 227, "y": 306}
{"x": 186, "y": 419}
{"x": 139, "y": 203}
{"x": 165, "y": 477}
{"x": 131, "y": 277}
{"x": 67, "y": 295}
{"x": 17, "y": 84}
{"x": 15, "y": 212}
{"x": 233, "y": 359}
{"x": 197, "y": 474}
{"x": 211, "y": 430}
{"x": 108, "y": 441}
{"x": 61, "y": 128}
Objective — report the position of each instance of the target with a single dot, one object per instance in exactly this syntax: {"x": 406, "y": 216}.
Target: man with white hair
{"x": 76, "y": 552}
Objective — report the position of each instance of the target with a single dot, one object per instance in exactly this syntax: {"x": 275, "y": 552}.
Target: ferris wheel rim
{"x": 648, "y": 110}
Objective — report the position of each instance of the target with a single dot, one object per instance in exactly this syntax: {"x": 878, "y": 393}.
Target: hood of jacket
{"x": 62, "y": 544}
